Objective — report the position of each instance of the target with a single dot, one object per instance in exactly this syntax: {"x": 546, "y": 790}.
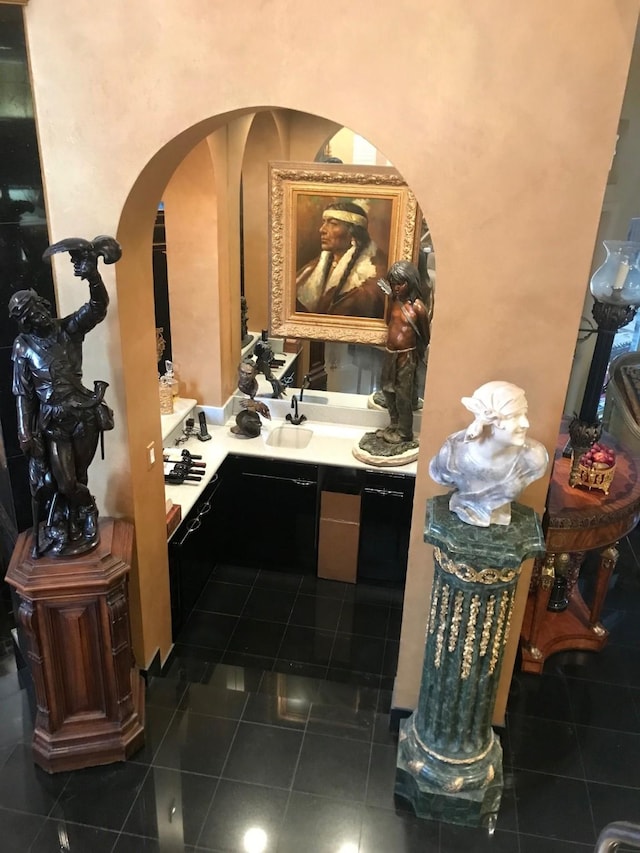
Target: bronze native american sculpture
{"x": 59, "y": 420}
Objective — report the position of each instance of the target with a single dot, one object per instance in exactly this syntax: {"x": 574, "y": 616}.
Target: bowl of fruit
{"x": 597, "y": 467}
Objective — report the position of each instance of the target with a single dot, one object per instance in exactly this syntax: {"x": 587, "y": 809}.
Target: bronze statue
{"x": 59, "y": 420}
{"x": 263, "y": 352}
{"x": 407, "y": 340}
{"x": 248, "y": 421}
{"x": 406, "y": 345}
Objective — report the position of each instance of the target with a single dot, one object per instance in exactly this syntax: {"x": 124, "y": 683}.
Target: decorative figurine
{"x": 407, "y": 341}
{"x": 264, "y": 356}
{"x": 492, "y": 461}
{"x": 59, "y": 420}
{"x": 425, "y": 292}
{"x": 248, "y": 421}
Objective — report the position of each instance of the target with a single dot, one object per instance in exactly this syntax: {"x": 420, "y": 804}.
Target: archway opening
{"x": 200, "y": 176}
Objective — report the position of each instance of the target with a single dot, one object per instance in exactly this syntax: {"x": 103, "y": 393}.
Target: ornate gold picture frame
{"x": 315, "y": 291}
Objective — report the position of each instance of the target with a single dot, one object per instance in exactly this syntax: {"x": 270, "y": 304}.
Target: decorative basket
{"x": 592, "y": 477}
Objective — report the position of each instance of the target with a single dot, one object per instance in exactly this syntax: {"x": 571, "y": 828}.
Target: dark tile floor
{"x": 295, "y": 624}
{"x": 270, "y": 732}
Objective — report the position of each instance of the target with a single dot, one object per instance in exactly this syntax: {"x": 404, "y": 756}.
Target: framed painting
{"x": 335, "y": 231}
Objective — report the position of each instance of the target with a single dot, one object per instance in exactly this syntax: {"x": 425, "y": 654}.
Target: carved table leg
{"x": 575, "y": 560}
{"x": 608, "y": 560}
{"x": 541, "y": 600}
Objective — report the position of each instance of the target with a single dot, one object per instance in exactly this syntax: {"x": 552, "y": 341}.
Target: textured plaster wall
{"x": 500, "y": 116}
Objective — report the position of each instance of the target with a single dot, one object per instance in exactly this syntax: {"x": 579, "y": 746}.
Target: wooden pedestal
{"x": 572, "y": 628}
{"x": 577, "y": 521}
{"x": 75, "y": 618}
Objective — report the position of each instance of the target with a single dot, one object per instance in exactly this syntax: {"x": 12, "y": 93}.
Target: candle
{"x": 621, "y": 277}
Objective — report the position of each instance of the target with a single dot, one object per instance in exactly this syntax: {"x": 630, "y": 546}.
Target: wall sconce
{"x": 615, "y": 287}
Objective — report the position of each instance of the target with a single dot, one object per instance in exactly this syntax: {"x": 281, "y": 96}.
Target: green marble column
{"x": 449, "y": 759}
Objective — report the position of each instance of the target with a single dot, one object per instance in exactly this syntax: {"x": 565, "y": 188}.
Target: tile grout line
{"x": 224, "y": 764}
{"x": 288, "y": 622}
{"x": 149, "y": 766}
{"x": 239, "y": 616}
{"x": 293, "y": 776}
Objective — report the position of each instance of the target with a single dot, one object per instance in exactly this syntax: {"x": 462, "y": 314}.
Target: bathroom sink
{"x": 290, "y": 436}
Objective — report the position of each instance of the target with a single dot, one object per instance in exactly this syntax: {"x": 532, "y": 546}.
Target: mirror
{"x": 261, "y": 138}
{"x": 347, "y": 360}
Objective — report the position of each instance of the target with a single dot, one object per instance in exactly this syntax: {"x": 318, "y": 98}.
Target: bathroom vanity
{"x": 260, "y": 505}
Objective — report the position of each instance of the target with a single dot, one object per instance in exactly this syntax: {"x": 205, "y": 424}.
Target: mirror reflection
{"x": 333, "y": 365}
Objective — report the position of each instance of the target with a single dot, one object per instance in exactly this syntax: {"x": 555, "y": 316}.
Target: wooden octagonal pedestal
{"x": 74, "y": 616}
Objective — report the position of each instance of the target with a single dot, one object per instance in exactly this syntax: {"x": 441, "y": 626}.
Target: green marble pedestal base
{"x": 471, "y": 798}
{"x": 449, "y": 763}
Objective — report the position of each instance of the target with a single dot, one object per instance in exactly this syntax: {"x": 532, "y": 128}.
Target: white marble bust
{"x": 492, "y": 461}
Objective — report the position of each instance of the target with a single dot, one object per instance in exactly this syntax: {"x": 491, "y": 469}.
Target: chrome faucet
{"x": 295, "y": 418}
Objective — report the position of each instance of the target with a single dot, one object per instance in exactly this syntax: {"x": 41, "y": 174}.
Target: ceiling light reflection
{"x": 255, "y": 840}
{"x": 348, "y": 847}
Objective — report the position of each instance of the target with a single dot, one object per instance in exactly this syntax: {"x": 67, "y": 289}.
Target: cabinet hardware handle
{"x": 206, "y": 509}
{"x": 383, "y": 492}
{"x": 295, "y": 481}
{"x": 196, "y": 524}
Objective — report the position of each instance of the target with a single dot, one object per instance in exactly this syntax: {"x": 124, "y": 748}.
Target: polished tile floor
{"x": 294, "y": 624}
{"x": 270, "y": 732}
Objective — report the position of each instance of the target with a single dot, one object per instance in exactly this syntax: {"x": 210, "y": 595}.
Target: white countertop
{"x": 182, "y": 409}
{"x": 331, "y": 444}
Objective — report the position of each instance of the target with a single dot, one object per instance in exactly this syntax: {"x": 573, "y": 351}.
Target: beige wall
{"x": 264, "y": 143}
{"x": 203, "y": 263}
{"x": 191, "y": 229}
{"x": 500, "y": 116}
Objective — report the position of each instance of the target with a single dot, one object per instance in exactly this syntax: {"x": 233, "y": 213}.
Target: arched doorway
{"x": 198, "y": 175}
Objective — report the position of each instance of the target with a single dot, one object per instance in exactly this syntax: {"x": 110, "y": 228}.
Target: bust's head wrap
{"x": 492, "y": 402}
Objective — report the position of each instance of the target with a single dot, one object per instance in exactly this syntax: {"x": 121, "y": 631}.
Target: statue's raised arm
{"x": 491, "y": 462}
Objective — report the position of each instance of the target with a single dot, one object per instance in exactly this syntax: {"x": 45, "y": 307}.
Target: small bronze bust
{"x": 59, "y": 420}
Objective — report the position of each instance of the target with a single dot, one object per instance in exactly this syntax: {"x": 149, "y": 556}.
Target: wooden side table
{"x": 577, "y": 521}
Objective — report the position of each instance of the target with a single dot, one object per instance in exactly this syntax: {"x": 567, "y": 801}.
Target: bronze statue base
{"x": 66, "y": 532}
{"x": 372, "y": 449}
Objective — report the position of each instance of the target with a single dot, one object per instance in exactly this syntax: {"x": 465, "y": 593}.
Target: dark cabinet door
{"x": 193, "y": 552}
{"x": 385, "y": 523}
{"x": 272, "y": 514}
